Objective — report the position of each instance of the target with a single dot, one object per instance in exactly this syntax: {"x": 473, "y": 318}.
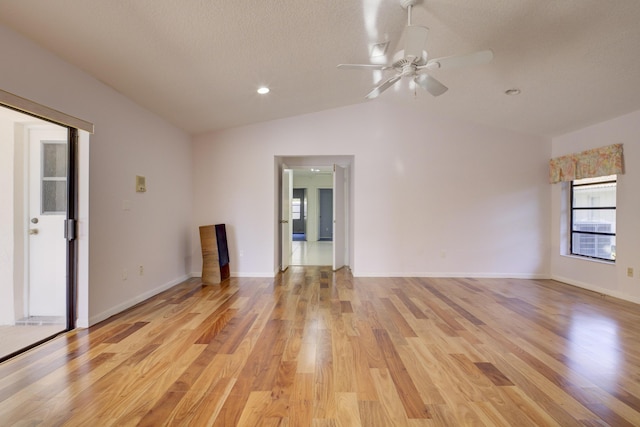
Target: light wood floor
{"x": 317, "y": 348}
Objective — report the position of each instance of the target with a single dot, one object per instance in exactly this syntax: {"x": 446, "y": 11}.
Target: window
{"x": 295, "y": 208}
{"x": 593, "y": 217}
{"x": 54, "y": 177}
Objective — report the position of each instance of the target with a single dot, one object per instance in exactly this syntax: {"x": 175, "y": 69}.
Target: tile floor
{"x": 312, "y": 253}
{"x": 15, "y": 337}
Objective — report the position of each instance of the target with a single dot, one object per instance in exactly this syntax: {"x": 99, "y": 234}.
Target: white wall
{"x": 431, "y": 195}
{"x": 128, "y": 141}
{"x": 603, "y": 277}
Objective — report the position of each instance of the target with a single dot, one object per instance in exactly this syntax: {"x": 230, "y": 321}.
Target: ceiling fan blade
{"x": 415, "y": 40}
{"x": 431, "y": 85}
{"x": 447, "y": 62}
{"x": 383, "y": 86}
{"x": 363, "y": 67}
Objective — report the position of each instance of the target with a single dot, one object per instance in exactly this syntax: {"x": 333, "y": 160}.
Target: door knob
{"x": 33, "y": 231}
{"x": 34, "y": 220}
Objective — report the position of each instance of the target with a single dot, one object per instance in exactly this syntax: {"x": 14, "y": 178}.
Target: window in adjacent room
{"x": 295, "y": 208}
{"x": 593, "y": 217}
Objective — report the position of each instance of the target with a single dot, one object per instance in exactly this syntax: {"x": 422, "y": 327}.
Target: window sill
{"x": 597, "y": 261}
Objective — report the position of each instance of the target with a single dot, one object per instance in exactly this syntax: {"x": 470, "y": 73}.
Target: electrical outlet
{"x": 124, "y": 275}
{"x": 141, "y": 270}
{"x": 629, "y": 272}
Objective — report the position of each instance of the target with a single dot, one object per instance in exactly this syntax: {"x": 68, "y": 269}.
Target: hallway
{"x": 311, "y": 253}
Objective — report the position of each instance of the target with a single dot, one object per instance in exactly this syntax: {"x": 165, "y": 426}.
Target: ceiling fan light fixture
{"x": 512, "y": 92}
{"x": 263, "y": 90}
{"x": 412, "y": 61}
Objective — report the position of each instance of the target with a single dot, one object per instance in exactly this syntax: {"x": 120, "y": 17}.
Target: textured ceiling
{"x": 199, "y": 63}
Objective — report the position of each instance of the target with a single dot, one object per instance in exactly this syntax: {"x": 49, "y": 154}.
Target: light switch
{"x": 141, "y": 184}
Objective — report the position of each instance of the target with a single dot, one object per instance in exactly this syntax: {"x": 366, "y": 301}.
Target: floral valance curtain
{"x": 587, "y": 164}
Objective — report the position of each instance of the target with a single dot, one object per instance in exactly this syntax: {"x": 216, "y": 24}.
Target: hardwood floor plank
{"x": 347, "y": 411}
{"x": 413, "y": 308}
{"x": 461, "y": 311}
{"x": 423, "y": 381}
{"x": 388, "y": 396}
{"x": 253, "y": 412}
{"x": 409, "y": 395}
{"x": 198, "y": 407}
{"x": 229, "y": 338}
{"x": 494, "y": 374}
{"x": 372, "y": 413}
{"x": 364, "y": 386}
{"x": 397, "y": 318}
{"x": 215, "y": 326}
{"x": 114, "y": 339}
{"x": 314, "y": 347}
{"x": 325, "y": 377}
{"x": 559, "y": 403}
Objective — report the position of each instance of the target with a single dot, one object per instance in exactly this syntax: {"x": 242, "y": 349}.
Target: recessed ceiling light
{"x": 512, "y": 92}
{"x": 263, "y": 90}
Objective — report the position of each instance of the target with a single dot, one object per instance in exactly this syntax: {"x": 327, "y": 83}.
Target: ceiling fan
{"x": 413, "y": 62}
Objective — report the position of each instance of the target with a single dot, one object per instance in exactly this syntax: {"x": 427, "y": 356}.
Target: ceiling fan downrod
{"x": 408, "y": 4}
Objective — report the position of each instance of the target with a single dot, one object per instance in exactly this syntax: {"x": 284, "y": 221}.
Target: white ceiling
{"x": 198, "y": 63}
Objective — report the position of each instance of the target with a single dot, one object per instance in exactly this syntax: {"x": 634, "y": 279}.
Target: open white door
{"x": 339, "y": 217}
{"x": 47, "y": 212}
{"x": 286, "y": 223}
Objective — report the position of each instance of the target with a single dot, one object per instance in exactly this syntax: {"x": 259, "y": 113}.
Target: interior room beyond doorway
{"x": 308, "y": 216}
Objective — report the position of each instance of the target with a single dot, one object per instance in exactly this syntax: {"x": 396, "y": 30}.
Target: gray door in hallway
{"x": 326, "y": 214}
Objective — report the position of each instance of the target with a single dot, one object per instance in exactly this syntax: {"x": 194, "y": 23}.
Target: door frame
{"x": 286, "y": 223}
{"x": 346, "y": 161}
{"x": 77, "y": 263}
{"x": 71, "y": 227}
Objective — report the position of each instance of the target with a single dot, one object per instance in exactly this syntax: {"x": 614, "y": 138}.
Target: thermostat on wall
{"x": 141, "y": 184}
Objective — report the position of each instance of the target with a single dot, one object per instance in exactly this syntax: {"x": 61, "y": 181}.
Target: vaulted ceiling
{"x": 198, "y": 63}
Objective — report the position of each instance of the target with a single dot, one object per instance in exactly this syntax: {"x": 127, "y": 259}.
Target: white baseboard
{"x": 411, "y": 274}
{"x": 594, "y": 288}
{"x": 239, "y": 274}
{"x": 456, "y": 275}
{"x": 133, "y": 301}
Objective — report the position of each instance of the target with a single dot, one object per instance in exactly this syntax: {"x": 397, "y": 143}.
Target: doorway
{"x": 299, "y": 214}
{"x": 315, "y": 173}
{"x": 325, "y": 217}
{"x": 37, "y": 222}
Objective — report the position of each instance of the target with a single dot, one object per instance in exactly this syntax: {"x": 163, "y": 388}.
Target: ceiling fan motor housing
{"x": 399, "y": 60}
{"x": 406, "y": 3}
